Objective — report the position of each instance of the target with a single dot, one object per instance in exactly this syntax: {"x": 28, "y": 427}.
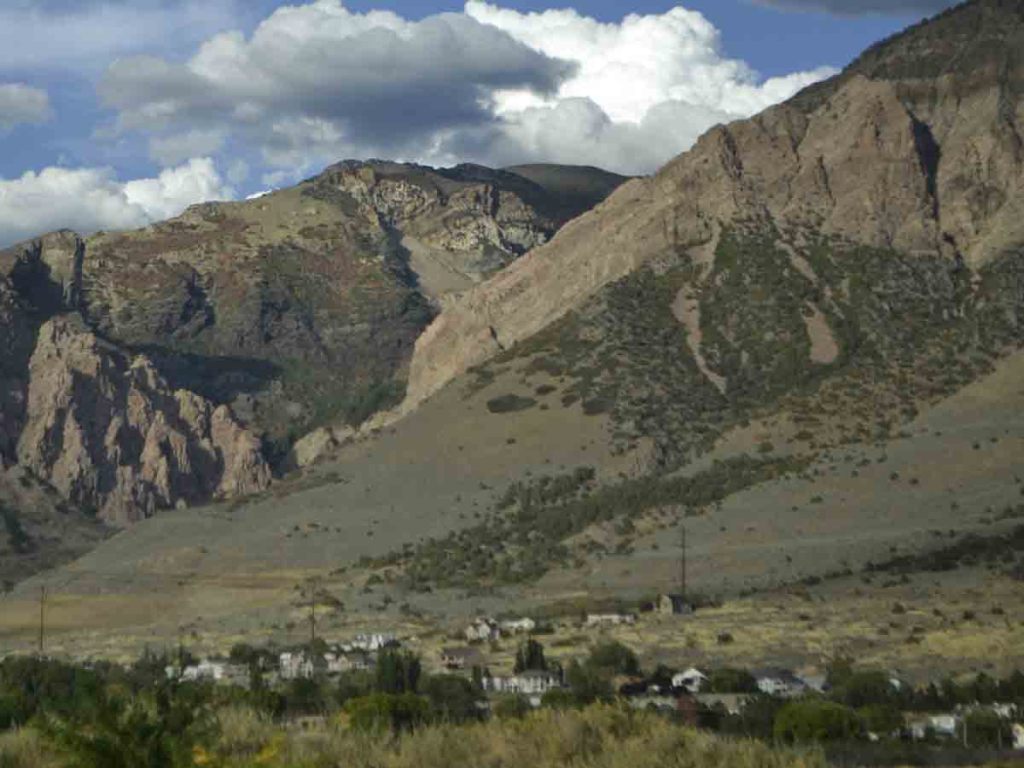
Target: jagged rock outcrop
{"x": 16, "y": 342}
{"x": 917, "y": 147}
{"x": 106, "y": 430}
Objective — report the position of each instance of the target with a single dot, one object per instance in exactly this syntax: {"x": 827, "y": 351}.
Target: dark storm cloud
{"x": 321, "y": 74}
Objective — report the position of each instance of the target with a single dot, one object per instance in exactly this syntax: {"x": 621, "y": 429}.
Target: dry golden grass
{"x": 605, "y": 737}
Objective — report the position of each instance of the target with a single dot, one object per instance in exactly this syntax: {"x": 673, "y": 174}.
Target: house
{"x": 673, "y": 605}
{"x": 295, "y": 665}
{"x": 519, "y": 626}
{"x": 356, "y": 661}
{"x": 212, "y": 671}
{"x": 482, "y": 631}
{"x": 532, "y": 682}
{"x": 1018, "y": 736}
{"x": 934, "y": 725}
{"x": 458, "y": 658}
{"x": 779, "y": 682}
{"x": 237, "y": 675}
{"x": 609, "y": 619}
{"x": 372, "y": 642}
{"x": 692, "y": 680}
{"x": 819, "y": 683}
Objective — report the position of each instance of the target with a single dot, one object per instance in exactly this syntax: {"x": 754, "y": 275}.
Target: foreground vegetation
{"x": 54, "y": 715}
{"x": 603, "y": 735}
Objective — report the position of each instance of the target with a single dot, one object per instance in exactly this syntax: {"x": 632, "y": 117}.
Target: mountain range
{"x": 804, "y": 333}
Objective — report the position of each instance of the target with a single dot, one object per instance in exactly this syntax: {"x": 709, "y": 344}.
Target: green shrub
{"x": 510, "y": 404}
{"x": 387, "y": 712}
{"x": 813, "y": 720}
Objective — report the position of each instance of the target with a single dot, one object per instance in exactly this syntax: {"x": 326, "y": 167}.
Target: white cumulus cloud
{"x": 317, "y": 82}
{"x": 91, "y": 199}
{"x": 22, "y": 105}
{"x": 644, "y": 89}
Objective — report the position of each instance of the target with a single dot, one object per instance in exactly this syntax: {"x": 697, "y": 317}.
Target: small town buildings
{"x": 673, "y": 605}
{"x": 779, "y": 682}
{"x": 482, "y": 631}
{"x": 454, "y": 659}
{"x": 521, "y": 626}
{"x": 692, "y": 680}
{"x": 610, "y": 619}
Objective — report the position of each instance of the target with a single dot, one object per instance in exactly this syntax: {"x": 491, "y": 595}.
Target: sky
{"x": 117, "y": 113}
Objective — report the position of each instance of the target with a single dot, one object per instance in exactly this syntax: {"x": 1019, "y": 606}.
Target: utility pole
{"x": 312, "y": 618}
{"x": 682, "y": 560}
{"x": 42, "y": 617}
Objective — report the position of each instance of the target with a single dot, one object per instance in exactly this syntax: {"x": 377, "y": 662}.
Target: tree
{"x": 530, "y": 656}
{"x": 863, "y": 688}
{"x": 305, "y": 696}
{"x": 756, "y": 719}
{"x": 814, "y": 720}
{"x": 881, "y": 719}
{"x": 453, "y": 699}
{"x": 588, "y": 683}
{"x": 386, "y": 711}
{"x": 614, "y": 658}
{"x": 397, "y": 671}
{"x": 511, "y": 706}
{"x": 154, "y": 731}
{"x": 729, "y": 680}
{"x": 987, "y": 729}
{"x": 353, "y": 685}
{"x": 559, "y": 699}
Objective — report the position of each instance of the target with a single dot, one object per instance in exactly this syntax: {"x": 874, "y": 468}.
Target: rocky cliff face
{"x": 301, "y": 308}
{"x": 916, "y": 149}
{"x": 109, "y": 434}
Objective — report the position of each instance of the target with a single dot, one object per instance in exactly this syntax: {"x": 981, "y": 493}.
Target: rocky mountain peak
{"x": 916, "y": 148}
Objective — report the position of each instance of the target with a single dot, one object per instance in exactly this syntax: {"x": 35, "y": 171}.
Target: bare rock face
{"x": 317, "y": 444}
{"x": 916, "y": 148}
{"x": 109, "y": 434}
{"x": 47, "y": 271}
{"x": 16, "y": 341}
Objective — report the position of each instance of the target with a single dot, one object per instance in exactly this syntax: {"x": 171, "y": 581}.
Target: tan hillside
{"x": 916, "y": 148}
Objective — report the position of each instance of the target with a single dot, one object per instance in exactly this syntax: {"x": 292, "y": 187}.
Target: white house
{"x": 692, "y": 680}
{"x": 295, "y": 665}
{"x": 779, "y": 682}
{"x": 519, "y": 626}
{"x": 1018, "y": 736}
{"x": 941, "y": 725}
{"x": 372, "y": 642}
{"x": 530, "y": 683}
{"x": 609, "y": 619}
{"x": 483, "y": 630}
